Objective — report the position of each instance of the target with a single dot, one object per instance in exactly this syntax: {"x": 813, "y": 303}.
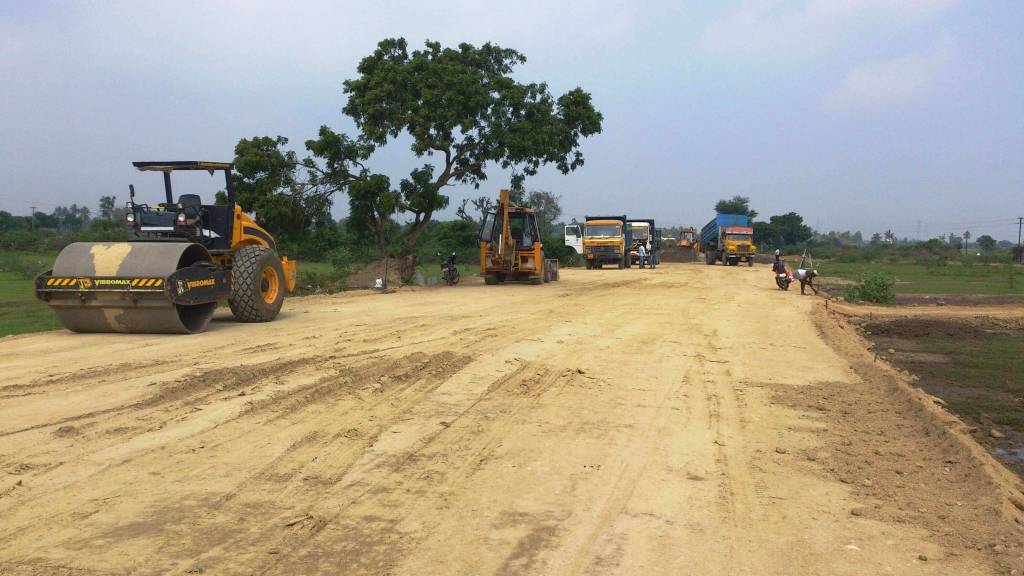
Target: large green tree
{"x": 463, "y": 105}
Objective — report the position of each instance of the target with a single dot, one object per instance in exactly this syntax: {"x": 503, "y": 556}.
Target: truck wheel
{"x": 709, "y": 258}
{"x": 622, "y": 262}
{"x": 750, "y": 262}
{"x": 547, "y": 273}
{"x": 259, "y": 284}
{"x": 490, "y": 279}
{"x": 536, "y": 280}
{"x": 590, "y": 264}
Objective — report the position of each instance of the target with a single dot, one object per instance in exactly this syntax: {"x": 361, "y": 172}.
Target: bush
{"x": 554, "y": 247}
{"x": 26, "y": 267}
{"x": 874, "y": 288}
{"x": 312, "y": 281}
{"x": 341, "y": 258}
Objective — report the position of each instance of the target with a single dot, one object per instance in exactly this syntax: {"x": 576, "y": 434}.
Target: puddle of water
{"x": 1011, "y": 455}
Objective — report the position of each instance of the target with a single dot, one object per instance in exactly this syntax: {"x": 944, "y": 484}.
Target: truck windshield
{"x": 641, "y": 232}
{"x": 602, "y": 231}
{"x": 739, "y": 237}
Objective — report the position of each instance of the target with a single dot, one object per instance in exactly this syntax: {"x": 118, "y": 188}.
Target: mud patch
{"x": 921, "y": 327}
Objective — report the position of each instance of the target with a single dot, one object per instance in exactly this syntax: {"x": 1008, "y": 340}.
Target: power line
{"x": 27, "y": 202}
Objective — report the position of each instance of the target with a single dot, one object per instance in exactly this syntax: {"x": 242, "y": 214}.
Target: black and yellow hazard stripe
{"x": 133, "y": 282}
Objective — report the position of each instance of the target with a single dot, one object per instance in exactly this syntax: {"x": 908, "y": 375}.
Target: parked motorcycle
{"x": 448, "y": 269}
{"x": 782, "y": 276}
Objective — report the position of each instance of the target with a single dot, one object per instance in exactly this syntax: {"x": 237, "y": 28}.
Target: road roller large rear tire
{"x": 259, "y": 284}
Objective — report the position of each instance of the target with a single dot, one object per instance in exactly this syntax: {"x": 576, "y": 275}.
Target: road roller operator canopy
{"x": 168, "y": 167}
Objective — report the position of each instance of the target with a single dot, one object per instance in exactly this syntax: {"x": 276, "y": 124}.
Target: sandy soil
{"x": 684, "y": 420}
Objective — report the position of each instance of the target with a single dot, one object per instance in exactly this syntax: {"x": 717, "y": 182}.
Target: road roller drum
{"x": 160, "y": 287}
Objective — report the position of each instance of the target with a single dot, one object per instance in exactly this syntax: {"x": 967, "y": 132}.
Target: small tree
{"x": 967, "y": 241}
{"x": 107, "y": 206}
{"x": 876, "y": 239}
{"x": 987, "y": 243}
{"x": 372, "y": 204}
{"x": 736, "y": 205}
{"x": 547, "y": 208}
{"x": 791, "y": 229}
{"x": 481, "y": 204}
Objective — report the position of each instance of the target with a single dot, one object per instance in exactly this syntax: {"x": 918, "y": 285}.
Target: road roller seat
{"x": 191, "y": 205}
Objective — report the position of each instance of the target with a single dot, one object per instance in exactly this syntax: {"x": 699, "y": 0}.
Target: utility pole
{"x": 1020, "y": 254}
{"x": 33, "y": 217}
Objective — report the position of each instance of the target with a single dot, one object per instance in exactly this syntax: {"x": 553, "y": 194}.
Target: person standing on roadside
{"x": 642, "y": 251}
{"x": 650, "y": 254}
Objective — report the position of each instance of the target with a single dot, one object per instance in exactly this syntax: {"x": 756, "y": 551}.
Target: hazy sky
{"x": 858, "y": 114}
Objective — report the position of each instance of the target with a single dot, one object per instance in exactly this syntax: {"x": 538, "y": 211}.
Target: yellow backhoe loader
{"x": 510, "y": 245}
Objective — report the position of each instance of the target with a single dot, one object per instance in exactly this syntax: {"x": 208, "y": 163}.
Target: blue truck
{"x": 728, "y": 239}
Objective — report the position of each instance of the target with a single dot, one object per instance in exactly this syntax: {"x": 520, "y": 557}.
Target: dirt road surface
{"x": 685, "y": 420}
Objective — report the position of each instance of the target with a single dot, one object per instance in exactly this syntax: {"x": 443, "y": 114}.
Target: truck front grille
{"x": 602, "y": 249}
{"x": 743, "y": 247}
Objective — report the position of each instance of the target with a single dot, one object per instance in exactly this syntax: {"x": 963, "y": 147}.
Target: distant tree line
{"x": 789, "y": 231}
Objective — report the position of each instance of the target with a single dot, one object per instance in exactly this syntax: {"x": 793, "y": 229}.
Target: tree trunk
{"x": 413, "y": 235}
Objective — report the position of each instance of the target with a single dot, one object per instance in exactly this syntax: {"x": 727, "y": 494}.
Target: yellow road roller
{"x": 180, "y": 259}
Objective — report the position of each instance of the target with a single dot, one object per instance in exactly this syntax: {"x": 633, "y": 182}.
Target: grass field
{"x": 912, "y": 278}
{"x": 20, "y": 311}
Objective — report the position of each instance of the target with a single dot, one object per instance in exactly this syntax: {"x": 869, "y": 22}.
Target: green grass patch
{"x": 918, "y": 278}
{"x": 20, "y": 311}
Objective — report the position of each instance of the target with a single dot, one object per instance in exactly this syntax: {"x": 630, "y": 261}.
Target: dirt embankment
{"x": 908, "y": 459}
{"x": 392, "y": 272}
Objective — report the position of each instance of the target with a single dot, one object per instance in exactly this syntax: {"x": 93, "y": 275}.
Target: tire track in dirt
{"x": 433, "y": 473}
{"x": 457, "y": 397}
